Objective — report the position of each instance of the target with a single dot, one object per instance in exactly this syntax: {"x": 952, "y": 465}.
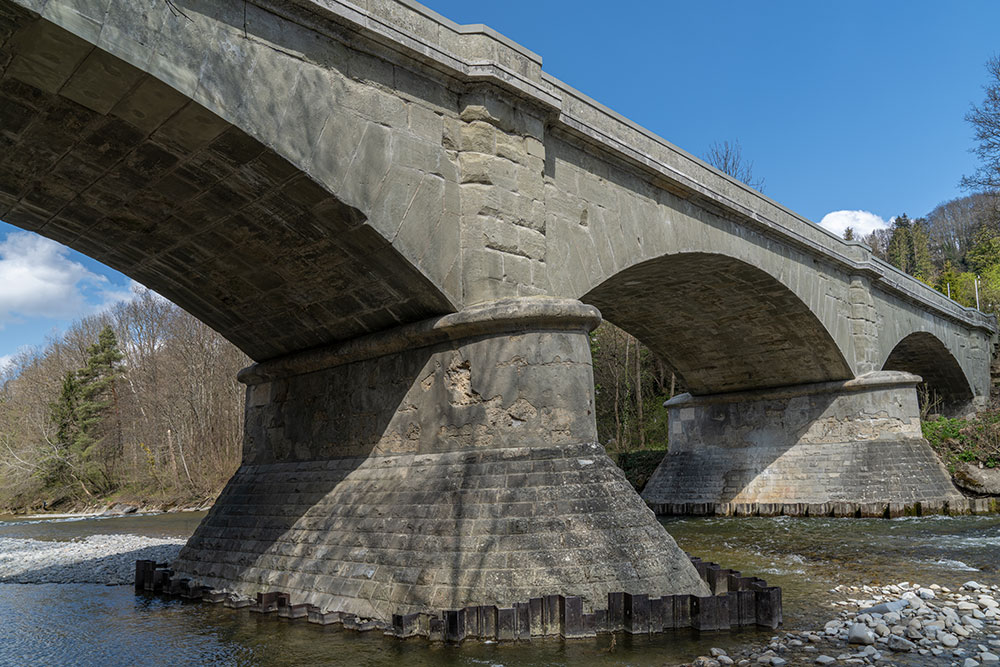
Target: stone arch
{"x": 722, "y": 323}
{"x": 259, "y": 210}
{"x": 924, "y": 354}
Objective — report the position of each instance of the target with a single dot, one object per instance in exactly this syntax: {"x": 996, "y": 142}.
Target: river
{"x": 77, "y": 624}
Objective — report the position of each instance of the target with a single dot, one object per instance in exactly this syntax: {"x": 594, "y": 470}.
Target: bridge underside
{"x": 944, "y": 389}
{"x": 723, "y": 324}
{"x": 108, "y": 160}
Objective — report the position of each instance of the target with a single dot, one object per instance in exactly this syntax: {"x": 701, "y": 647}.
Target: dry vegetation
{"x": 169, "y": 425}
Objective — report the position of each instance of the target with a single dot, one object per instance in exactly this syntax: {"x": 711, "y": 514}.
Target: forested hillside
{"x": 139, "y": 404}
{"x": 949, "y": 248}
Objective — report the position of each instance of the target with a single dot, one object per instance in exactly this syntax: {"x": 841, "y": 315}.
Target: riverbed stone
{"x": 947, "y": 639}
{"x": 860, "y": 634}
{"x": 899, "y": 644}
{"x": 97, "y": 559}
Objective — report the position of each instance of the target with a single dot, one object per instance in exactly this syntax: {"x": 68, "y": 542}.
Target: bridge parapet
{"x": 476, "y": 53}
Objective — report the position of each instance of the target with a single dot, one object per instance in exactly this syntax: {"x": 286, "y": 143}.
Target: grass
{"x": 974, "y": 440}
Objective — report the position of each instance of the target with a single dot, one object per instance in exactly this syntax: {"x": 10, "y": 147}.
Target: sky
{"x": 852, "y": 111}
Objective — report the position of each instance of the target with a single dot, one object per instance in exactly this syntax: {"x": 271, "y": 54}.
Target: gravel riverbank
{"x": 903, "y": 622}
{"x": 97, "y": 559}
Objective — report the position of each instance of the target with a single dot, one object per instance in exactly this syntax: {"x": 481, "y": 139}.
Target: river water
{"x": 51, "y": 624}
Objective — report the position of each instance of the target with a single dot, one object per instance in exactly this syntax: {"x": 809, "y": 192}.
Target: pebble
{"x": 97, "y": 559}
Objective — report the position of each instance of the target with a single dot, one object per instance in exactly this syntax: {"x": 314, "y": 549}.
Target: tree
{"x": 923, "y": 264}
{"x": 953, "y": 225}
{"x": 849, "y": 233}
{"x": 79, "y": 449}
{"x": 985, "y": 250}
{"x": 166, "y": 428}
{"x": 728, "y": 158}
{"x": 899, "y": 252}
{"x": 985, "y": 120}
{"x": 878, "y": 241}
{"x": 948, "y": 280}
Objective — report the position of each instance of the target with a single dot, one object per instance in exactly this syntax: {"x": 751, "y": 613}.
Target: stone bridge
{"x": 412, "y": 228}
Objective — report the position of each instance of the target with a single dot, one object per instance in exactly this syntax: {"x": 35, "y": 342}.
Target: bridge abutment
{"x": 857, "y": 442}
{"x": 449, "y": 463}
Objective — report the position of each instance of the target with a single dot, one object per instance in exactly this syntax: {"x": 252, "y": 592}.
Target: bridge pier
{"x": 855, "y": 441}
{"x": 448, "y": 463}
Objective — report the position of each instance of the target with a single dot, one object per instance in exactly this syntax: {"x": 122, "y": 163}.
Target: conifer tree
{"x": 79, "y": 415}
{"x": 923, "y": 263}
{"x": 900, "y": 248}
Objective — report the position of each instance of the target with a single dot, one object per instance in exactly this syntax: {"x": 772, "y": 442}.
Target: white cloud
{"x": 38, "y": 279}
{"x": 863, "y": 222}
{"x": 6, "y": 361}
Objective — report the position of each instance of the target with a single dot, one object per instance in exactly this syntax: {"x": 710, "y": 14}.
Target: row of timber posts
{"x": 960, "y": 506}
{"x": 736, "y": 602}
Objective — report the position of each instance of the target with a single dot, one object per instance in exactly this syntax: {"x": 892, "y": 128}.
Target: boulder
{"x": 860, "y": 634}
{"x": 981, "y": 481}
{"x": 897, "y": 643}
{"x": 121, "y": 508}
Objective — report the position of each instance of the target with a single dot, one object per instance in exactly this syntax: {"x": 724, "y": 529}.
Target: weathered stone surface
{"x": 856, "y": 442}
{"x": 972, "y": 478}
{"x": 289, "y": 179}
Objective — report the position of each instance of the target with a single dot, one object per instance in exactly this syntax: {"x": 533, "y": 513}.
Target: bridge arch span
{"x": 924, "y": 354}
{"x": 243, "y": 176}
{"x": 722, "y": 323}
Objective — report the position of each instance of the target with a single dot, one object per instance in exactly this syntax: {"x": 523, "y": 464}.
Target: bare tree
{"x": 178, "y": 418}
{"x": 728, "y": 158}
{"x": 985, "y": 120}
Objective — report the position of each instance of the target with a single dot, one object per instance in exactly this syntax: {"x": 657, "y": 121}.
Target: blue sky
{"x": 842, "y": 106}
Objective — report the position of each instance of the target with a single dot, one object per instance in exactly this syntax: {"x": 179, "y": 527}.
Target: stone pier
{"x": 857, "y": 442}
{"x": 449, "y": 463}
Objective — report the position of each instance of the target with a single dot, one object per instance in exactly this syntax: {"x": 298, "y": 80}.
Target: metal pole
{"x": 976, "y": 283}
{"x": 949, "y": 290}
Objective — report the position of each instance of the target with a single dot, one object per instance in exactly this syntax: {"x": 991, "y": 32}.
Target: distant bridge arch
{"x": 924, "y": 354}
{"x": 722, "y": 323}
